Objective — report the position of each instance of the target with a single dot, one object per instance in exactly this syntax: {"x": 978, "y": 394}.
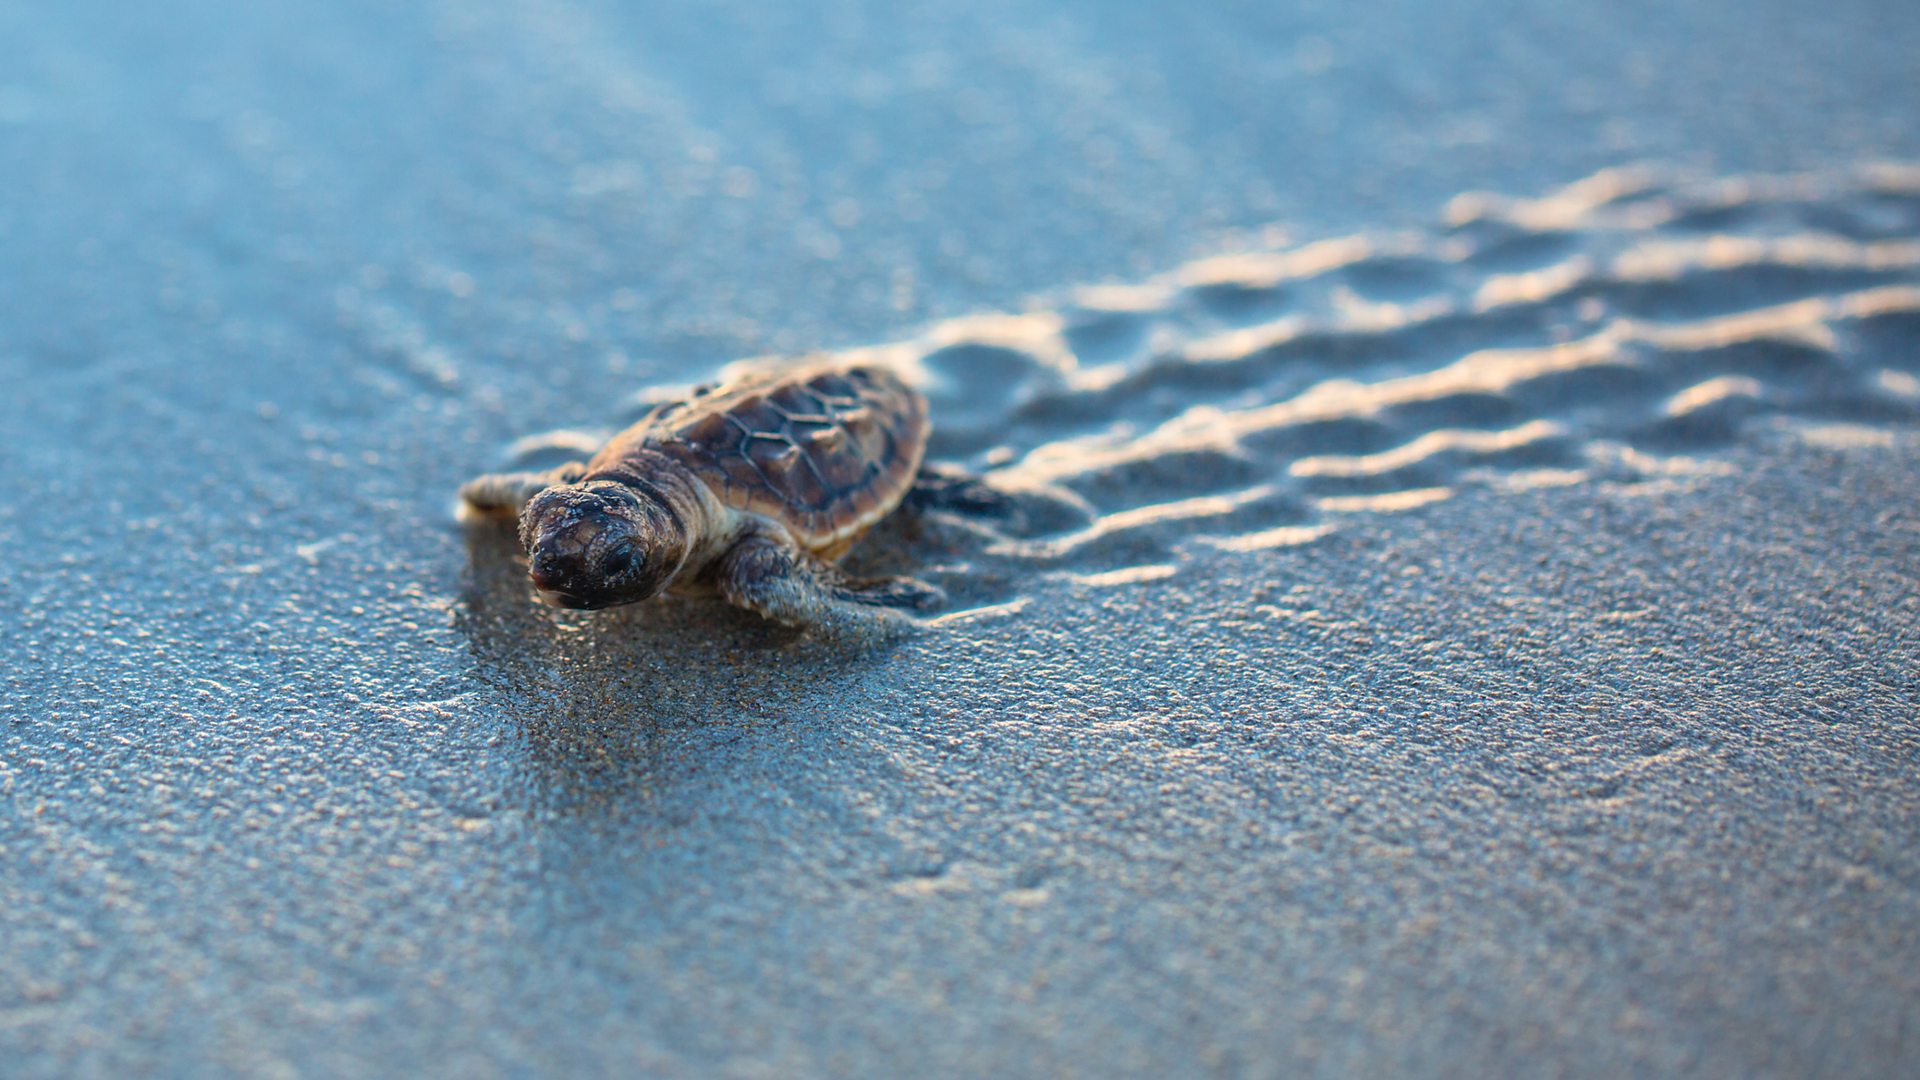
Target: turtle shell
{"x": 826, "y": 449}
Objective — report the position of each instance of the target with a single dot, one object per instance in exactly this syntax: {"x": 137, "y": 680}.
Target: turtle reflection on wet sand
{"x": 749, "y": 489}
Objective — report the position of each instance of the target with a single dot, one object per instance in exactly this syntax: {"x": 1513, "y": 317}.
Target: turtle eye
{"x": 617, "y": 561}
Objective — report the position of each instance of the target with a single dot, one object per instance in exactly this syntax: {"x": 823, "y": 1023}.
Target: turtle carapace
{"x": 751, "y": 489}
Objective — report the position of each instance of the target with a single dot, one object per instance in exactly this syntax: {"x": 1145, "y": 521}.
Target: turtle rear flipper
{"x": 939, "y": 486}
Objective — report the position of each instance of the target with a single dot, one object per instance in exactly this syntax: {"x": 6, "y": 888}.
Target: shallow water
{"x": 1445, "y": 631}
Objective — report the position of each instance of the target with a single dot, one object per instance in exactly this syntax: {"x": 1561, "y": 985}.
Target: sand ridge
{"x": 1619, "y": 330}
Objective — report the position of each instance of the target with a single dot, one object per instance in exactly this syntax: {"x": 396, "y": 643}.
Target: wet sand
{"x": 1461, "y": 616}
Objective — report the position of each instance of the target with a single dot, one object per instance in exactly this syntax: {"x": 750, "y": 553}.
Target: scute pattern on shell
{"x": 827, "y": 449}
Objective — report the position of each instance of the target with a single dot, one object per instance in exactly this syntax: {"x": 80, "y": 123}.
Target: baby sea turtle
{"x": 750, "y": 489}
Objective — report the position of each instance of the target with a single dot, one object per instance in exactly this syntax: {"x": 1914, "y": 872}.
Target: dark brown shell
{"x": 826, "y": 448}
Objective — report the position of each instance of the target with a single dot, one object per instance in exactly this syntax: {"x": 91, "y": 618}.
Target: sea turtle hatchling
{"x": 750, "y": 489}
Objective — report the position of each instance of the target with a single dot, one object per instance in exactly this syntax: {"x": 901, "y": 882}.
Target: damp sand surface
{"x": 1457, "y": 611}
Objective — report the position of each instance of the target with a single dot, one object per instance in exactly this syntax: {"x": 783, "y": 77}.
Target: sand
{"x": 1461, "y": 617}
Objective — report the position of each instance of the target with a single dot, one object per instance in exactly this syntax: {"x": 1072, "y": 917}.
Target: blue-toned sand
{"x": 1461, "y": 614}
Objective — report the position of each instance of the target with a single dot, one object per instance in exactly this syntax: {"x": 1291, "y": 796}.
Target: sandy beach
{"x": 1462, "y": 615}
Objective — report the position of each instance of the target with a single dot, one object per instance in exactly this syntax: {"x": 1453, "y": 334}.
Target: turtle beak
{"x": 559, "y": 599}
{"x": 548, "y": 576}
{"x": 547, "y": 580}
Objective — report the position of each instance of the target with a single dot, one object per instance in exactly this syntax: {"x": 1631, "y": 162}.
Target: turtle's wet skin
{"x": 750, "y": 490}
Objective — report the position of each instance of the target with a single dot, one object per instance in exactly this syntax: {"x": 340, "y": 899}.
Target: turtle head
{"x": 600, "y": 544}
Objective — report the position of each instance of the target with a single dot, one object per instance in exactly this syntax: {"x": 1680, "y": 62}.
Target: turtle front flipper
{"x": 507, "y": 493}
{"x": 778, "y": 580}
{"x": 893, "y": 592}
